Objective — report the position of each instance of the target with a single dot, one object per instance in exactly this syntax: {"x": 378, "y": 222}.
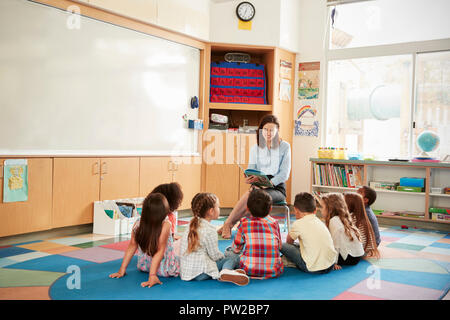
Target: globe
{"x": 428, "y": 141}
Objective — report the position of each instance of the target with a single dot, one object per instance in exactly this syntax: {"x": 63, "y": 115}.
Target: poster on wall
{"x": 285, "y": 90}
{"x": 285, "y": 69}
{"x": 15, "y": 180}
{"x": 308, "y": 80}
{"x": 306, "y": 123}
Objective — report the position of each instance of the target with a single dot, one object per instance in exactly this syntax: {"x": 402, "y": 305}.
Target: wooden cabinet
{"x": 184, "y": 170}
{"x": 154, "y": 171}
{"x": 119, "y": 178}
{"x": 222, "y": 174}
{"x": 246, "y": 142}
{"x": 238, "y": 113}
{"x": 78, "y": 182}
{"x": 35, "y": 213}
{"x": 187, "y": 173}
{"x": 76, "y": 185}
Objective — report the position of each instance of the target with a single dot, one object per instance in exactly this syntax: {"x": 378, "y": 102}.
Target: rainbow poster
{"x": 306, "y": 123}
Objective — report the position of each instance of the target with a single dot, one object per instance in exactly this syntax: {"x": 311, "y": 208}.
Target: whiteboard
{"x": 99, "y": 89}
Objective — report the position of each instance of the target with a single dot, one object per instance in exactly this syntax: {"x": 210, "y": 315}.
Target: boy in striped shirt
{"x": 258, "y": 238}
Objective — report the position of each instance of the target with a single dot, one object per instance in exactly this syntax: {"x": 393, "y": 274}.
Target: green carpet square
{"x": 405, "y": 246}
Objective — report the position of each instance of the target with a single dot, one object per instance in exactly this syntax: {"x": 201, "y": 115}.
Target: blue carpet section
{"x": 54, "y": 263}
{"x": 13, "y": 251}
{"x": 420, "y": 279}
{"x": 292, "y": 284}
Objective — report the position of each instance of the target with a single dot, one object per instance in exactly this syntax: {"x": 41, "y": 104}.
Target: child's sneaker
{"x": 238, "y": 278}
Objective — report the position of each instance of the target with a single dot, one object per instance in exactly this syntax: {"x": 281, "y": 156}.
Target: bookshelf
{"x": 397, "y": 205}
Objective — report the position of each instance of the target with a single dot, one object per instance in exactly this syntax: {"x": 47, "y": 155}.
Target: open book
{"x": 264, "y": 181}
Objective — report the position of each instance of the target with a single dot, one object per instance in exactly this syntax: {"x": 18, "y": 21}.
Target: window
{"x": 381, "y": 93}
{"x": 368, "y": 103}
{"x": 432, "y": 109}
{"x": 371, "y": 23}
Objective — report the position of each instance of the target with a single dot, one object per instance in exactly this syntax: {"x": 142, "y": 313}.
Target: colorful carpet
{"x": 414, "y": 265}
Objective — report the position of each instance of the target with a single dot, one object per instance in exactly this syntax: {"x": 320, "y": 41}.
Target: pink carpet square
{"x": 95, "y": 254}
{"x": 346, "y": 295}
{"x": 444, "y": 240}
{"x": 396, "y": 291}
{"x": 180, "y": 223}
{"x": 389, "y": 239}
{"x": 121, "y": 246}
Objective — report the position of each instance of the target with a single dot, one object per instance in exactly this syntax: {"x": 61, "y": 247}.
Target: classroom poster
{"x": 15, "y": 180}
{"x": 285, "y": 69}
{"x": 306, "y": 123}
{"x": 284, "y": 90}
{"x": 308, "y": 80}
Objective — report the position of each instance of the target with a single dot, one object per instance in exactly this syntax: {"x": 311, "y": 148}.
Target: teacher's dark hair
{"x": 270, "y": 118}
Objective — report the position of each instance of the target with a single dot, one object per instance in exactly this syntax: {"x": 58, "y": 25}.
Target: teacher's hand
{"x": 251, "y": 179}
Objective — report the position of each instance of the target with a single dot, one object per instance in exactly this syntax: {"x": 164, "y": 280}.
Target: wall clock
{"x": 245, "y": 11}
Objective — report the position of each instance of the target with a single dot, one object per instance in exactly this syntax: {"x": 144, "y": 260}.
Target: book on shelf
{"x": 338, "y": 175}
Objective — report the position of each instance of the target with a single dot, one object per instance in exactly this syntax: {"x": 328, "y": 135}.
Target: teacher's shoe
{"x": 239, "y": 278}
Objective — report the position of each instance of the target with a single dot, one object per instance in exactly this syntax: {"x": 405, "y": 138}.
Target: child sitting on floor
{"x": 355, "y": 205}
{"x": 369, "y": 196}
{"x": 174, "y": 195}
{"x": 200, "y": 257}
{"x": 152, "y": 237}
{"x": 315, "y": 252}
{"x": 344, "y": 233}
{"x": 258, "y": 236}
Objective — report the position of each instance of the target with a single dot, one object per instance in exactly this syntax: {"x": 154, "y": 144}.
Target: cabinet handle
{"x": 104, "y": 168}
{"x": 96, "y": 168}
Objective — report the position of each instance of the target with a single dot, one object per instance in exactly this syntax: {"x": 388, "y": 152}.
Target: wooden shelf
{"x": 400, "y": 192}
{"x": 332, "y": 187}
{"x": 417, "y": 199}
{"x": 240, "y": 106}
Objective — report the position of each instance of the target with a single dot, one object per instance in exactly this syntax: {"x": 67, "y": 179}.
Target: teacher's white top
{"x": 275, "y": 161}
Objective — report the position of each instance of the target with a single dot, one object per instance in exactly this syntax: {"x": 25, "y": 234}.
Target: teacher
{"x": 272, "y": 156}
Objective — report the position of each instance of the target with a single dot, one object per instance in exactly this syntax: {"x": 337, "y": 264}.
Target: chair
{"x": 284, "y": 205}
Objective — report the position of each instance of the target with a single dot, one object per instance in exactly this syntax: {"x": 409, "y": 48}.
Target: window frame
{"x": 411, "y": 48}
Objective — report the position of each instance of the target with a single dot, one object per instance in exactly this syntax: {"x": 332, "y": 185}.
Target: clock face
{"x": 245, "y": 11}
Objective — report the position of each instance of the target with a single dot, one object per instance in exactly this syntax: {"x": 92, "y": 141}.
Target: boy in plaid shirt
{"x": 258, "y": 237}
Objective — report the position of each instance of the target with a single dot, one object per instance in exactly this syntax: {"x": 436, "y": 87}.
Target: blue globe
{"x": 428, "y": 141}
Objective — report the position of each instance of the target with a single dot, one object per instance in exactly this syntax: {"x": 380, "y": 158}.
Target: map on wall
{"x": 308, "y": 80}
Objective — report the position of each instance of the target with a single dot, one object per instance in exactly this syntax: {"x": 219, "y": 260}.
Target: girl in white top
{"x": 345, "y": 234}
{"x": 200, "y": 257}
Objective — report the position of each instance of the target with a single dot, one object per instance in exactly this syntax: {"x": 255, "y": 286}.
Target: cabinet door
{"x": 222, "y": 173}
{"x": 246, "y": 142}
{"x": 188, "y": 174}
{"x": 153, "y": 171}
{"x": 119, "y": 178}
{"x": 76, "y": 185}
{"x": 35, "y": 214}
